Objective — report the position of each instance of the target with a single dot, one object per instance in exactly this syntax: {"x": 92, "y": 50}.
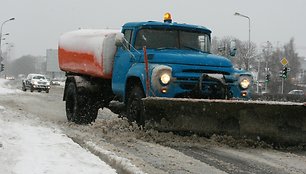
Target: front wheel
{"x": 134, "y": 110}
{"x": 31, "y": 88}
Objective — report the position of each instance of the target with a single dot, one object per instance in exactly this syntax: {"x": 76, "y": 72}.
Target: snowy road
{"x": 111, "y": 142}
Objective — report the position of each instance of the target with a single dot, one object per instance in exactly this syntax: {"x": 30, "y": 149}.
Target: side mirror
{"x": 119, "y": 39}
{"x": 233, "y": 48}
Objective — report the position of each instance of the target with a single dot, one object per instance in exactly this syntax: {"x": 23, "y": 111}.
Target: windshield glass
{"x": 38, "y": 77}
{"x": 173, "y": 39}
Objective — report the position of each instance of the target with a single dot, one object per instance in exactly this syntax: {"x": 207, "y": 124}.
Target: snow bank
{"x": 124, "y": 164}
{"x": 6, "y": 89}
{"x": 26, "y": 147}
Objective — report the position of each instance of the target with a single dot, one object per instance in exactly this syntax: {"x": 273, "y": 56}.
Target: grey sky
{"x": 39, "y": 23}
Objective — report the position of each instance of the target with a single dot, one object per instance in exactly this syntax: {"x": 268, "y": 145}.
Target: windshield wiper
{"x": 165, "y": 48}
{"x": 194, "y": 49}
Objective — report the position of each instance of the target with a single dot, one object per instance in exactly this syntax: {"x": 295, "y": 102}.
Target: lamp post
{"x": 4, "y": 34}
{"x": 249, "y": 44}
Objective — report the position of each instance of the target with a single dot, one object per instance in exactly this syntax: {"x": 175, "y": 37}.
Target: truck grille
{"x": 209, "y": 88}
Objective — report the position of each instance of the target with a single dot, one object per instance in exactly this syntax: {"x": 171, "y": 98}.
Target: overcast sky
{"x": 39, "y": 23}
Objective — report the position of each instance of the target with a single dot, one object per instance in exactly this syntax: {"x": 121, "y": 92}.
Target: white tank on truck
{"x": 89, "y": 52}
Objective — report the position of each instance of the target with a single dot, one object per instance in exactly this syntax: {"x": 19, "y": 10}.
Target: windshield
{"x": 173, "y": 39}
{"x": 38, "y": 77}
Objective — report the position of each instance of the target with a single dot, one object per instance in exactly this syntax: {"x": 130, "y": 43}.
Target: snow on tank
{"x": 87, "y": 51}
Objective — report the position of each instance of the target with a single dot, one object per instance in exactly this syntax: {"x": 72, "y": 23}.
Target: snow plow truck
{"x": 164, "y": 76}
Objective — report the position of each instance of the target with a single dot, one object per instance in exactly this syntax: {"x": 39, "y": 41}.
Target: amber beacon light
{"x": 167, "y": 18}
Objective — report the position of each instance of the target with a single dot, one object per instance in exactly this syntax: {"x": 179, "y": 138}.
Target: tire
{"x": 134, "y": 109}
{"x": 24, "y": 87}
{"x": 92, "y": 110}
{"x": 47, "y": 91}
{"x": 31, "y": 88}
{"x": 78, "y": 106}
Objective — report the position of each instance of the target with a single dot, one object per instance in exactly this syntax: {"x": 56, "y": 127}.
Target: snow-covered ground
{"x": 35, "y": 137}
{"x": 27, "y": 147}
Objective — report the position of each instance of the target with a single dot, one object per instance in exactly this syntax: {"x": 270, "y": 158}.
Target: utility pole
{"x": 1, "y": 32}
{"x": 268, "y": 53}
{"x": 249, "y": 43}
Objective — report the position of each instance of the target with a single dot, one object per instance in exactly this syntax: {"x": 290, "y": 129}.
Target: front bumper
{"x": 41, "y": 87}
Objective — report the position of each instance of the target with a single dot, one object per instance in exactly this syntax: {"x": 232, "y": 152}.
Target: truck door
{"x": 124, "y": 59}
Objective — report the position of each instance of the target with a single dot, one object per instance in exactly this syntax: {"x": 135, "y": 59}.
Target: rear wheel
{"x": 134, "y": 110}
{"x": 24, "y": 87}
{"x": 79, "y": 107}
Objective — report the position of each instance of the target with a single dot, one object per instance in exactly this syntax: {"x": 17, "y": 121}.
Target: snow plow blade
{"x": 274, "y": 122}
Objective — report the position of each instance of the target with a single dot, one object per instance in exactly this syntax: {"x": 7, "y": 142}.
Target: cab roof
{"x": 174, "y": 25}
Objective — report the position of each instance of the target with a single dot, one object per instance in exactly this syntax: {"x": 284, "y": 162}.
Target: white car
{"x": 296, "y": 92}
{"x": 37, "y": 82}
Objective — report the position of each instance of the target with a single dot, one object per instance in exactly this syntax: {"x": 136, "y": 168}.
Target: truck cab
{"x": 180, "y": 64}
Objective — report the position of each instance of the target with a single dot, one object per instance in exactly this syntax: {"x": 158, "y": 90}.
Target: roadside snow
{"x": 34, "y": 149}
{"x": 5, "y": 89}
{"x": 26, "y": 147}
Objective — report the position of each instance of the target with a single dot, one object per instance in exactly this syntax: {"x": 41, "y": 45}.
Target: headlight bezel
{"x": 156, "y": 77}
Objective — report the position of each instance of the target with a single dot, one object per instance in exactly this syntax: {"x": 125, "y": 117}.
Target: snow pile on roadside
{"x": 5, "y": 89}
{"x": 26, "y": 147}
{"x": 122, "y": 163}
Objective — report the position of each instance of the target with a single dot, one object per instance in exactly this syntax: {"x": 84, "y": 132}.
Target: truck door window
{"x": 127, "y": 36}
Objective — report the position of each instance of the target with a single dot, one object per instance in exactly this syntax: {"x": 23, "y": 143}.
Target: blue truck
{"x": 163, "y": 76}
{"x": 144, "y": 60}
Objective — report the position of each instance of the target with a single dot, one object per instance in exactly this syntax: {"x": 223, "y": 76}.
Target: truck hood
{"x": 187, "y": 57}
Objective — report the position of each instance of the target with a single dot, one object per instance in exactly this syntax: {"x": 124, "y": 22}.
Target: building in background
{"x": 53, "y": 70}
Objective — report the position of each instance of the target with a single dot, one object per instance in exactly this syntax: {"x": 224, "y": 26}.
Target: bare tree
{"x": 25, "y": 65}
{"x": 293, "y": 58}
{"x": 272, "y": 58}
{"x": 246, "y": 59}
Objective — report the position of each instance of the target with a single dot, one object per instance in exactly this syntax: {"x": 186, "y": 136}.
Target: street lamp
{"x": 4, "y": 34}
{"x": 249, "y": 44}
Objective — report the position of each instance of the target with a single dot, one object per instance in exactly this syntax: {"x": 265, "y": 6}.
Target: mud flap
{"x": 274, "y": 122}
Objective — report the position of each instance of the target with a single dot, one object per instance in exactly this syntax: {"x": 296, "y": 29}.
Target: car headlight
{"x": 244, "y": 82}
{"x": 165, "y": 78}
{"x": 35, "y": 82}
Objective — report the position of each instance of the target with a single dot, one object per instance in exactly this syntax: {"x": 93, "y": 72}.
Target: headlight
{"x": 165, "y": 78}
{"x": 35, "y": 82}
{"x": 245, "y": 83}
